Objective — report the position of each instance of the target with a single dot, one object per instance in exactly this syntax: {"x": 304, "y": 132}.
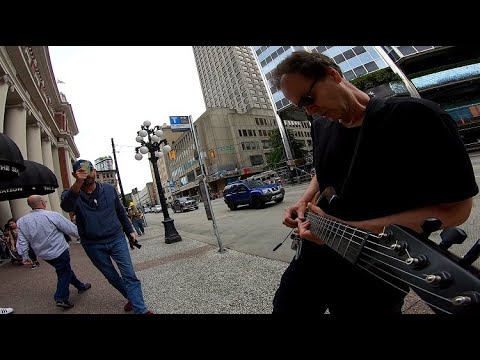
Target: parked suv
{"x": 184, "y": 203}
{"x": 252, "y": 192}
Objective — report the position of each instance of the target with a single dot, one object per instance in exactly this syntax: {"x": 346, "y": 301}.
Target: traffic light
{"x": 172, "y": 154}
{"x": 211, "y": 153}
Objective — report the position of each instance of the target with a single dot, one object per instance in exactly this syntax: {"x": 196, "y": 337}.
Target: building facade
{"x": 38, "y": 118}
{"x": 230, "y": 78}
{"x": 104, "y": 163}
{"x": 232, "y": 145}
{"x": 107, "y": 177}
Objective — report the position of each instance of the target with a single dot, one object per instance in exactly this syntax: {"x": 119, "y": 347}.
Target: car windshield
{"x": 182, "y": 199}
{"x": 255, "y": 183}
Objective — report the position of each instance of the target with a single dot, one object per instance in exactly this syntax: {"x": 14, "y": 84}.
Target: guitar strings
{"x": 445, "y": 311}
{"x": 406, "y": 281}
{"x": 328, "y": 223}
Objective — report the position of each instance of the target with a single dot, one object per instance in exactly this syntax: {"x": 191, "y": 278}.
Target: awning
{"x": 11, "y": 159}
{"x": 36, "y": 179}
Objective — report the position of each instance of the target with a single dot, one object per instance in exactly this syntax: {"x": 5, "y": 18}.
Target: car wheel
{"x": 257, "y": 203}
{"x": 232, "y": 205}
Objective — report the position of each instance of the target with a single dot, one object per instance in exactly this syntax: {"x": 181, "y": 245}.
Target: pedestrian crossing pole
{"x": 203, "y": 180}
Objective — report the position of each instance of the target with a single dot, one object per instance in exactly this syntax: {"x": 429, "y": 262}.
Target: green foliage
{"x": 277, "y": 155}
{"x": 376, "y": 78}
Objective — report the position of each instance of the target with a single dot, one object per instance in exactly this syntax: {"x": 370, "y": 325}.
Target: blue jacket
{"x": 101, "y": 217}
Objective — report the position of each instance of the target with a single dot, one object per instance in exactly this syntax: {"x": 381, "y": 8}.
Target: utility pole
{"x": 118, "y": 175}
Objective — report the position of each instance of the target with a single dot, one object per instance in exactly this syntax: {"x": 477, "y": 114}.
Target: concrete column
{"x": 54, "y": 198}
{"x": 70, "y": 167}
{"x": 15, "y": 128}
{"x": 34, "y": 144}
{"x": 58, "y": 174}
{"x": 5, "y": 84}
{"x": 34, "y": 148}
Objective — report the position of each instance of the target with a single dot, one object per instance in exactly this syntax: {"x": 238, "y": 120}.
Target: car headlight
{"x": 266, "y": 191}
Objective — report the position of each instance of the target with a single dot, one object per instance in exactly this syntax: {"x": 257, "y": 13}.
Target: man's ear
{"x": 334, "y": 74}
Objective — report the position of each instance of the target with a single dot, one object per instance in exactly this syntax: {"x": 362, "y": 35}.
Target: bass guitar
{"x": 444, "y": 281}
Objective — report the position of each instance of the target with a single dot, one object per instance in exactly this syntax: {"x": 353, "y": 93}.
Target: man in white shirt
{"x": 44, "y": 230}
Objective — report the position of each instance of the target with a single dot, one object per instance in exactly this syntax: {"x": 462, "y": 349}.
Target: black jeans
{"x": 321, "y": 279}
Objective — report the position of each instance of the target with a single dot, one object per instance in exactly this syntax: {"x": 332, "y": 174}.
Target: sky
{"x": 113, "y": 90}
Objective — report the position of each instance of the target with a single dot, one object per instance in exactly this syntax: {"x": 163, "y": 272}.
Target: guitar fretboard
{"x": 345, "y": 240}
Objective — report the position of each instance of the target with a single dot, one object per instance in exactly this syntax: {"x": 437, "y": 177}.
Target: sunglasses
{"x": 307, "y": 100}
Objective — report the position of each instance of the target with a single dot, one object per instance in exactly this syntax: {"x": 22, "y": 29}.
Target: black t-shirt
{"x": 410, "y": 155}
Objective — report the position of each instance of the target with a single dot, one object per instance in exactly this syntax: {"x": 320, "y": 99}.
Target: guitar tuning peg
{"x": 471, "y": 255}
{"x": 430, "y": 225}
{"x": 451, "y": 236}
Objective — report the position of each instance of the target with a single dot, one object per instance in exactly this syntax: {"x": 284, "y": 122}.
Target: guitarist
{"x": 394, "y": 161}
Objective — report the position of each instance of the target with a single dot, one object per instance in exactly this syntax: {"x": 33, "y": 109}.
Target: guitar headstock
{"x": 446, "y": 282}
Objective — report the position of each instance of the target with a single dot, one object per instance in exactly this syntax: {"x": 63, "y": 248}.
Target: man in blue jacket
{"x": 102, "y": 221}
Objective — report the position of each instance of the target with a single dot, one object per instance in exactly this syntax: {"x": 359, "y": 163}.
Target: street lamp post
{"x": 152, "y": 145}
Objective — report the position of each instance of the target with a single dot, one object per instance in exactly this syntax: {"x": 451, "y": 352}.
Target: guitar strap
{"x": 376, "y": 105}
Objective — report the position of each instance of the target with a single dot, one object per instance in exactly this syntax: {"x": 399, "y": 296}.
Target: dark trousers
{"x": 65, "y": 276}
{"x": 320, "y": 279}
{"x": 31, "y": 254}
{"x": 138, "y": 225}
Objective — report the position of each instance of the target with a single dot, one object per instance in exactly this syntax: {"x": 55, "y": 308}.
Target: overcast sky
{"x": 112, "y": 90}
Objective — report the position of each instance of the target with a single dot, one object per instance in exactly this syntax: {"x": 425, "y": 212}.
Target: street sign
{"x": 227, "y": 148}
{"x": 179, "y": 123}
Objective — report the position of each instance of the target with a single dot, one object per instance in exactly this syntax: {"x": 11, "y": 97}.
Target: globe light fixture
{"x": 151, "y": 144}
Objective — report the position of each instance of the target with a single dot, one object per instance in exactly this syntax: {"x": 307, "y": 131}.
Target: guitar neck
{"x": 345, "y": 240}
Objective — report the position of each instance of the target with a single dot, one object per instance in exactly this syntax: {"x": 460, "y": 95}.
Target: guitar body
{"x": 400, "y": 255}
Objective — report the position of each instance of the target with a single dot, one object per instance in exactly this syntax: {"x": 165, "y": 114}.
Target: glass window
{"x": 354, "y": 62}
{"x": 321, "y": 49}
{"x": 349, "y": 75}
{"x": 256, "y": 160}
{"x": 349, "y": 54}
{"x": 381, "y": 63}
{"x": 339, "y": 59}
{"x": 359, "y": 50}
{"x": 423, "y": 48}
{"x": 335, "y": 50}
{"x": 371, "y": 66}
{"x": 360, "y": 71}
{"x": 407, "y": 50}
{"x": 345, "y": 66}
{"x": 244, "y": 132}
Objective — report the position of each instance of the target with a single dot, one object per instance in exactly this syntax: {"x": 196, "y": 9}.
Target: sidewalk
{"x": 187, "y": 277}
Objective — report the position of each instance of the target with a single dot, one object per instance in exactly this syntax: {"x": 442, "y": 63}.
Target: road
{"x": 258, "y": 231}
{"x": 250, "y": 231}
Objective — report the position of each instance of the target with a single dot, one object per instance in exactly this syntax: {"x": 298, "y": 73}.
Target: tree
{"x": 277, "y": 155}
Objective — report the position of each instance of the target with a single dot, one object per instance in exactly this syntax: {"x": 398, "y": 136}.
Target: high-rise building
{"x": 104, "y": 163}
{"x": 230, "y": 78}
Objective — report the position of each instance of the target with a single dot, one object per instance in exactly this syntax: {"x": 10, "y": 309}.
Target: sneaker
{"x": 85, "y": 288}
{"x": 65, "y": 304}
{"x": 34, "y": 266}
{"x": 128, "y": 307}
{"x": 5, "y": 311}
{"x": 37, "y": 263}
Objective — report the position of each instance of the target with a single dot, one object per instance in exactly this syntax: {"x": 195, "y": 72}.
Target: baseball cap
{"x": 78, "y": 164}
